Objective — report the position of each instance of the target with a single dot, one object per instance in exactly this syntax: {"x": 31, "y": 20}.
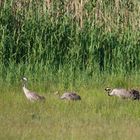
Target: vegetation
{"x": 85, "y": 36}
{"x": 96, "y": 116}
{"x": 78, "y": 45}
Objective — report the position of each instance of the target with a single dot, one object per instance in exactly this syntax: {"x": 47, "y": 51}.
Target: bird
{"x": 69, "y": 96}
{"x": 135, "y": 94}
{"x": 123, "y": 93}
{"x": 32, "y": 96}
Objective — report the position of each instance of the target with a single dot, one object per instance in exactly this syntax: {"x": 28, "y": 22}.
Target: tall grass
{"x": 50, "y": 36}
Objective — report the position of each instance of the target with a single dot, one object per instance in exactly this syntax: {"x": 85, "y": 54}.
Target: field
{"x": 96, "y": 116}
{"x": 70, "y": 45}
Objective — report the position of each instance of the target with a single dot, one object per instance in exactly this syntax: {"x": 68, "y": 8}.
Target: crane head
{"x": 24, "y": 79}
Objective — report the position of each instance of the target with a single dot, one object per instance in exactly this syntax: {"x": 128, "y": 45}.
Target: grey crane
{"x": 69, "y": 96}
{"x": 32, "y": 96}
{"x": 123, "y": 93}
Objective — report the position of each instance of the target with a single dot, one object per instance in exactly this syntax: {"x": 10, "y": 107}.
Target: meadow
{"x": 70, "y": 45}
{"x": 96, "y": 116}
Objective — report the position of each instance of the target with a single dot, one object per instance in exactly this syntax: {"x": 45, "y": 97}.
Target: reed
{"x": 51, "y": 36}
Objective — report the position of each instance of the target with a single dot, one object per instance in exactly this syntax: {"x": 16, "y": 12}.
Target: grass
{"x": 69, "y": 45}
{"x": 96, "y": 116}
{"x": 90, "y": 35}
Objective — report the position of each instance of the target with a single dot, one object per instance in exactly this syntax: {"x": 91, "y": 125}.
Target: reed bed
{"x": 72, "y": 36}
